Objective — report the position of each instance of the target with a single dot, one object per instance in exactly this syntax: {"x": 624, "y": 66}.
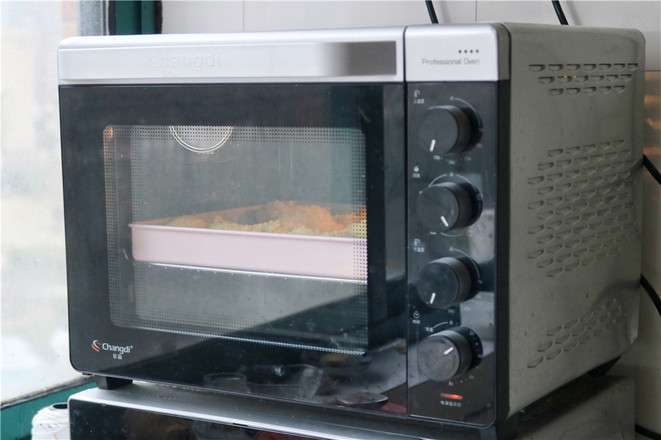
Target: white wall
{"x": 643, "y": 362}
{"x": 642, "y": 15}
{"x": 251, "y": 15}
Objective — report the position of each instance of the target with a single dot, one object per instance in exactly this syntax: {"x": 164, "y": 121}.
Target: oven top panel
{"x": 472, "y": 52}
{"x": 374, "y": 55}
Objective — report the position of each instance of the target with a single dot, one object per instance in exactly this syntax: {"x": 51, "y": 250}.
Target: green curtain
{"x": 134, "y": 17}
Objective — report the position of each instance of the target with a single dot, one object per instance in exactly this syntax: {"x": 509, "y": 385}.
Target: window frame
{"x": 95, "y": 17}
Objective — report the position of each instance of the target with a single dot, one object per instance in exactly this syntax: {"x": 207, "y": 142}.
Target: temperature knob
{"x": 448, "y": 205}
{"x": 448, "y": 129}
{"x": 449, "y": 353}
{"x": 447, "y": 281}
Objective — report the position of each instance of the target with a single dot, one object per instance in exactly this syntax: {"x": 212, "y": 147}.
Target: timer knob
{"x": 448, "y": 129}
{"x": 448, "y": 205}
{"x": 449, "y": 353}
{"x": 446, "y": 281}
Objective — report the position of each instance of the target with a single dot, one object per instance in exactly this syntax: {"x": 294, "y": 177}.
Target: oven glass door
{"x": 245, "y": 232}
{"x": 249, "y": 230}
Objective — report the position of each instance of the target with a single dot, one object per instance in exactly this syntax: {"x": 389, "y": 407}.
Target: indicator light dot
{"x": 452, "y": 396}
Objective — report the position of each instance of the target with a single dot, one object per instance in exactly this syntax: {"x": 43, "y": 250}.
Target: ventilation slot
{"x": 573, "y": 334}
{"x": 575, "y": 79}
{"x": 584, "y": 206}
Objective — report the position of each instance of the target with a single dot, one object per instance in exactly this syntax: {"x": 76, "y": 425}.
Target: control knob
{"x": 449, "y": 353}
{"x": 448, "y": 129}
{"x": 447, "y": 205}
{"x": 447, "y": 281}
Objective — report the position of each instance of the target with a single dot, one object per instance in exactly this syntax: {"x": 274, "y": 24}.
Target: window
{"x": 35, "y": 353}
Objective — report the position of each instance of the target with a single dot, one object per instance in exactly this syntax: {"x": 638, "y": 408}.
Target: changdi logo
{"x": 118, "y": 351}
{"x": 165, "y": 60}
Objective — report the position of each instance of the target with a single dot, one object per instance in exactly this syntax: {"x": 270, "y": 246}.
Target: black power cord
{"x": 651, "y": 293}
{"x": 559, "y": 12}
{"x": 647, "y": 433}
{"x": 652, "y": 169}
{"x": 654, "y": 296}
{"x": 431, "y": 11}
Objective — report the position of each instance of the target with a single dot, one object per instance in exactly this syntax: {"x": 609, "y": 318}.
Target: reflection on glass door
{"x": 241, "y": 232}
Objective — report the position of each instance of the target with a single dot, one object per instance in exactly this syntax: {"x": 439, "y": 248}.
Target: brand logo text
{"x": 118, "y": 351}
{"x": 192, "y": 62}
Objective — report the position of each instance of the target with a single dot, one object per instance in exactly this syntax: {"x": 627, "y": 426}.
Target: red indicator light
{"x": 452, "y": 396}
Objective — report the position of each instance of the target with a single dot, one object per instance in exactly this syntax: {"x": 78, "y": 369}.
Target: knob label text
{"x": 450, "y": 403}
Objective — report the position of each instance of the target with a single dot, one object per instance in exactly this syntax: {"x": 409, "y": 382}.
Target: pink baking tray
{"x": 303, "y": 255}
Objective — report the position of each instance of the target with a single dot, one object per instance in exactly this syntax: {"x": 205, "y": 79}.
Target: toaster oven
{"x": 433, "y": 224}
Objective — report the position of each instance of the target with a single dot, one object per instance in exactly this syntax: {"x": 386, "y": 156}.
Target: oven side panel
{"x": 576, "y": 145}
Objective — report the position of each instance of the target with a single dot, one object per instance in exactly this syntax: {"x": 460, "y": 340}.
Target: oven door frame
{"x": 97, "y": 346}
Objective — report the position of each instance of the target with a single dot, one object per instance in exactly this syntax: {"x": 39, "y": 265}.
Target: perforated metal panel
{"x": 575, "y": 150}
{"x": 584, "y": 205}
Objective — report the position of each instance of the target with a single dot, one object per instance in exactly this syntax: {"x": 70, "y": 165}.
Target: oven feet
{"x": 110, "y": 383}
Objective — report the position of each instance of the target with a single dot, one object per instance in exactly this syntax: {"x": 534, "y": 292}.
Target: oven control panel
{"x": 452, "y": 146}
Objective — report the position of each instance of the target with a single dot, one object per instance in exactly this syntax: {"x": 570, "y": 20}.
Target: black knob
{"x": 449, "y": 353}
{"x": 448, "y": 129}
{"x": 447, "y": 281}
{"x": 448, "y": 205}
